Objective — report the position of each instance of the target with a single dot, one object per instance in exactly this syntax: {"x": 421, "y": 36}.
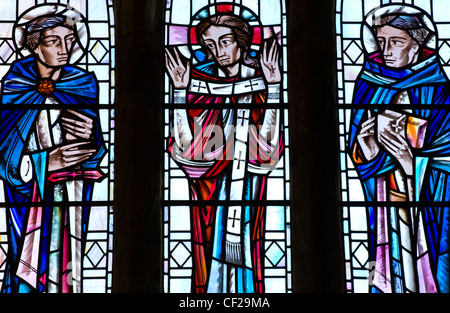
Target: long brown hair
{"x": 241, "y": 31}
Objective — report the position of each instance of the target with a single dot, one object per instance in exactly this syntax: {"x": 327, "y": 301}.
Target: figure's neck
{"x": 231, "y": 70}
{"x": 48, "y": 72}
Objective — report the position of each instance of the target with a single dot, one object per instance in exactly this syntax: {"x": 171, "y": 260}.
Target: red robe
{"x": 205, "y": 180}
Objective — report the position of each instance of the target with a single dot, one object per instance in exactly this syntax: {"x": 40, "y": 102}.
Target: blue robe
{"x": 19, "y": 87}
{"x": 426, "y": 85}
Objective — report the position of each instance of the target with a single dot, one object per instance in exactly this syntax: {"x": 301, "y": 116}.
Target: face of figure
{"x": 55, "y": 48}
{"x": 398, "y": 48}
{"x": 221, "y": 42}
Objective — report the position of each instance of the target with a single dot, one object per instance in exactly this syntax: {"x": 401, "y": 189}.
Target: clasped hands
{"x": 391, "y": 141}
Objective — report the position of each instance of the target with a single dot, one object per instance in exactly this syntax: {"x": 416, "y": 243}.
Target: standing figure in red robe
{"x": 227, "y": 153}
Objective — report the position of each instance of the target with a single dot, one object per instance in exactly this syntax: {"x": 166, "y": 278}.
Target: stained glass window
{"x": 226, "y": 174}
{"x": 392, "y": 66}
{"x": 56, "y": 145}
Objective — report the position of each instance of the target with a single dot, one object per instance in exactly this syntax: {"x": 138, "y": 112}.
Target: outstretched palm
{"x": 177, "y": 70}
{"x": 270, "y": 63}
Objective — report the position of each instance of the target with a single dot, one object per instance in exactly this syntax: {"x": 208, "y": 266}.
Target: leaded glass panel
{"x": 57, "y": 145}
{"x": 392, "y": 75}
{"x": 226, "y": 162}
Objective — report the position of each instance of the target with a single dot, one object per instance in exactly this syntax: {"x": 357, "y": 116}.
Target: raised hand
{"x": 177, "y": 70}
{"x": 367, "y": 140}
{"x": 68, "y": 155}
{"x": 270, "y": 63}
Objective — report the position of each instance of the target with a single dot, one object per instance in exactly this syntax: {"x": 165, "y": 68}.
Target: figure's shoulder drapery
{"x": 75, "y": 86}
